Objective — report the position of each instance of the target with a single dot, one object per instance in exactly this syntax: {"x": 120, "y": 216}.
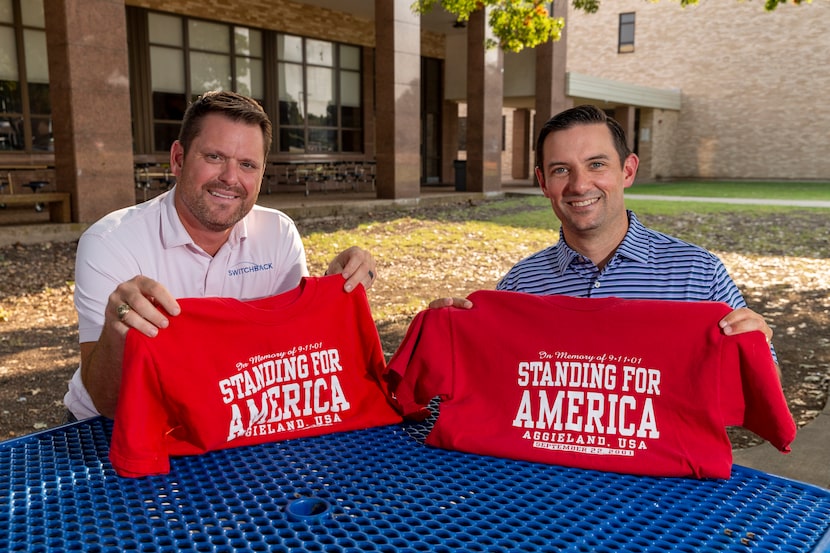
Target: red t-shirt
{"x": 632, "y": 386}
{"x": 229, "y": 373}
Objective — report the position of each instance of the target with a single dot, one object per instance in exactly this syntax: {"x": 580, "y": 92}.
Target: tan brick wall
{"x": 753, "y": 83}
{"x": 507, "y": 153}
{"x": 288, "y": 17}
{"x": 656, "y": 153}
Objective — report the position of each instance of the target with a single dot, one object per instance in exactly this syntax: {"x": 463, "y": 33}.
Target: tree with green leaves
{"x": 519, "y": 24}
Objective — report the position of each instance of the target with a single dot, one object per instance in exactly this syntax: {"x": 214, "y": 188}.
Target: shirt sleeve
{"x": 138, "y": 446}
{"x": 421, "y": 368}
{"x": 99, "y": 269}
{"x": 725, "y": 290}
{"x": 751, "y": 391}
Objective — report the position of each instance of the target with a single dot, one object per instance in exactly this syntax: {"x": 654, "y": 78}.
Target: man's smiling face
{"x": 219, "y": 178}
{"x": 584, "y": 180}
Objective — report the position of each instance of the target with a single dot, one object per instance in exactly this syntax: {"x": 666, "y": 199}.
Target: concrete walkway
{"x": 809, "y": 460}
{"x": 736, "y": 201}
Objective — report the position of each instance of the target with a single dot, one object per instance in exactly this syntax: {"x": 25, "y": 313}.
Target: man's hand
{"x": 357, "y": 266}
{"x": 461, "y": 303}
{"x": 745, "y": 320}
{"x": 135, "y": 303}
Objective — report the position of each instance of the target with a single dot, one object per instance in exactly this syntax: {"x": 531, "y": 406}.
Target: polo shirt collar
{"x": 173, "y": 233}
{"x": 635, "y": 245}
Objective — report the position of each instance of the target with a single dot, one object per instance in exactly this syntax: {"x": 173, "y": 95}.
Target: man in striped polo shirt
{"x": 583, "y": 167}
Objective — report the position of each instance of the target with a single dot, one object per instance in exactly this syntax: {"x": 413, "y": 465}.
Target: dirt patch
{"x": 39, "y": 344}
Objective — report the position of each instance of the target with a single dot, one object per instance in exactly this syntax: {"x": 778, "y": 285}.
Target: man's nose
{"x": 578, "y": 181}
{"x": 229, "y": 173}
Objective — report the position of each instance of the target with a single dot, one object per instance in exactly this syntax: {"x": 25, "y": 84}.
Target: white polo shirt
{"x": 262, "y": 257}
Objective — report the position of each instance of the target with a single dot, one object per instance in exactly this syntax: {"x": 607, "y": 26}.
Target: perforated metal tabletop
{"x": 382, "y": 490}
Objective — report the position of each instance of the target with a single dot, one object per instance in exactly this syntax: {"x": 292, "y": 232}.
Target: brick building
{"x": 750, "y": 82}
{"x": 95, "y": 88}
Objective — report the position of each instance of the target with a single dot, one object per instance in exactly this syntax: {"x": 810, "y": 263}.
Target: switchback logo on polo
{"x": 245, "y": 267}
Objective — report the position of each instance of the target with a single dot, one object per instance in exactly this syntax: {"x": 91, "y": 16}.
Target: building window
{"x": 189, "y": 57}
{"x": 320, "y": 108}
{"x": 25, "y": 108}
{"x": 312, "y": 89}
{"x": 626, "y": 38}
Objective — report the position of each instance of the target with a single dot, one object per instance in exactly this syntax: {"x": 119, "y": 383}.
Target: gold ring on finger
{"x": 122, "y": 311}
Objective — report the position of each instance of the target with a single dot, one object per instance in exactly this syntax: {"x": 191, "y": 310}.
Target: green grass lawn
{"x": 743, "y": 189}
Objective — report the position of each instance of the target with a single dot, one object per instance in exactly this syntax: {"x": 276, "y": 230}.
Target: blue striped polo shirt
{"x": 647, "y": 265}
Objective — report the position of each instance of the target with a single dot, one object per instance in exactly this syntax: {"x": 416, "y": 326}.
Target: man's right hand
{"x": 138, "y": 303}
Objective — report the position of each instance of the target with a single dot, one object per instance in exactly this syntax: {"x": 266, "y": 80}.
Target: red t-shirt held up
{"x": 229, "y": 373}
{"x": 632, "y": 386}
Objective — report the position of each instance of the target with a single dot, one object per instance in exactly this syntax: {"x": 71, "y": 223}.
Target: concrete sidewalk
{"x": 809, "y": 460}
{"x": 735, "y": 201}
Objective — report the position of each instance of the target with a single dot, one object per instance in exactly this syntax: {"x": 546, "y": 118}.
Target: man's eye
{"x": 597, "y": 165}
{"x": 559, "y": 171}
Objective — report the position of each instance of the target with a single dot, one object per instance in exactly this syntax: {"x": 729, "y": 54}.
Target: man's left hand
{"x": 356, "y": 265}
{"x": 745, "y": 320}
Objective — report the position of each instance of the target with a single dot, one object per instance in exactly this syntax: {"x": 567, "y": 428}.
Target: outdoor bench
{"x": 58, "y": 202}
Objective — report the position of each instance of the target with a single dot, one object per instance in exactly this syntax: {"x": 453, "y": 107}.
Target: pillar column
{"x": 368, "y": 101}
{"x": 485, "y": 92}
{"x": 521, "y": 144}
{"x": 626, "y": 117}
{"x": 398, "y": 99}
{"x": 449, "y": 140}
{"x": 551, "y": 63}
{"x": 90, "y": 93}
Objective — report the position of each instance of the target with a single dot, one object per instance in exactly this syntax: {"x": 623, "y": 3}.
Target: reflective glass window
{"x": 320, "y": 93}
{"x": 25, "y": 105}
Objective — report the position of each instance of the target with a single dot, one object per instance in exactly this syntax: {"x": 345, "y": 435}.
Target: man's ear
{"x": 540, "y": 178}
{"x": 176, "y": 158}
{"x": 632, "y": 162}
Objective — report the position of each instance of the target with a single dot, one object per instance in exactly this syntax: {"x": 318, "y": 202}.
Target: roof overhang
{"x": 615, "y": 92}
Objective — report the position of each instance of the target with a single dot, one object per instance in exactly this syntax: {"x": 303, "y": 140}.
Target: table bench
{"x": 33, "y": 176}
{"x": 303, "y": 176}
{"x": 58, "y": 203}
{"x": 153, "y": 176}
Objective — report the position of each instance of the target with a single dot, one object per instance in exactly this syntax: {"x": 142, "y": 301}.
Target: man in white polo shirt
{"x": 206, "y": 237}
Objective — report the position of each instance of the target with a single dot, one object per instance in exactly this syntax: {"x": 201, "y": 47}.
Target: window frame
{"x": 24, "y": 122}
{"x": 343, "y": 134}
{"x": 188, "y": 52}
{"x": 306, "y": 128}
{"x": 627, "y": 26}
